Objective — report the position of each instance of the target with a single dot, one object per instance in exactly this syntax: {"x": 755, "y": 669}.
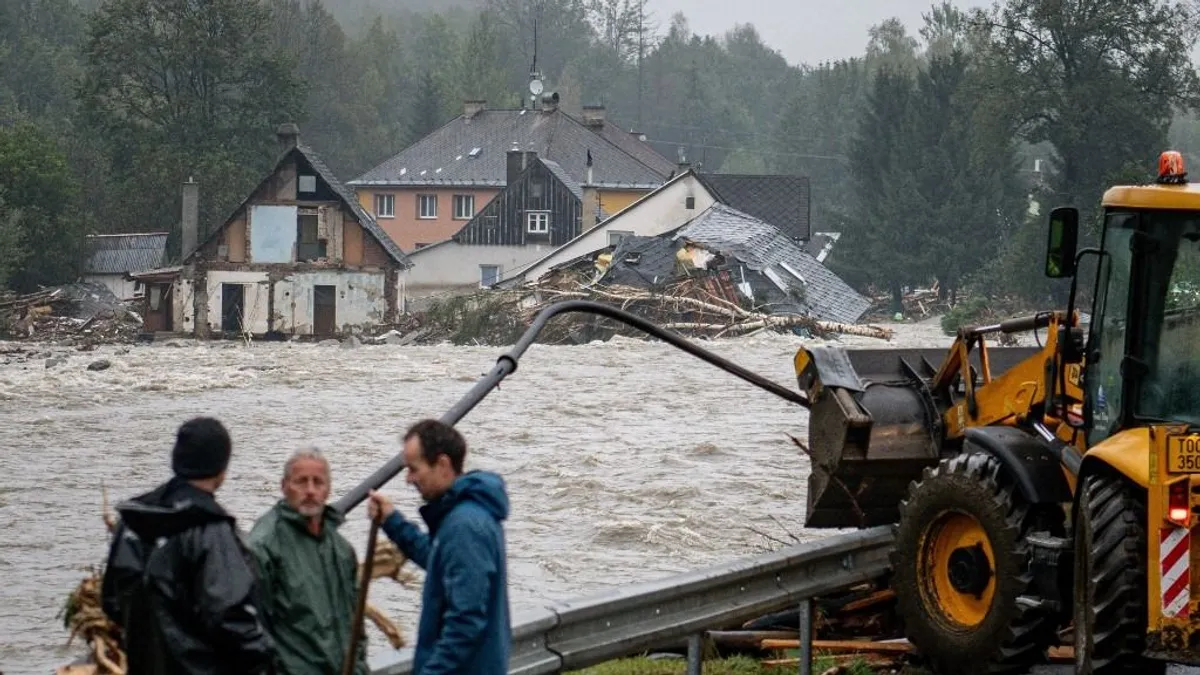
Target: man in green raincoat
{"x": 308, "y": 573}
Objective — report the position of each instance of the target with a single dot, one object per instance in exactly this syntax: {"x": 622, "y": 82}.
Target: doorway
{"x": 324, "y": 310}
{"x": 233, "y": 303}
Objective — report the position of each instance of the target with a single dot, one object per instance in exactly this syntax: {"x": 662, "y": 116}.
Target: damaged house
{"x": 299, "y": 256}
{"x": 752, "y": 262}
{"x": 688, "y": 230}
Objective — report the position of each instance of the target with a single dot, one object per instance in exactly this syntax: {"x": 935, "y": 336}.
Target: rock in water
{"x": 102, "y": 364}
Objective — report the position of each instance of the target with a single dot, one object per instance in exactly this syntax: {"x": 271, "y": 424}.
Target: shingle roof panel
{"x": 783, "y": 201}
{"x": 121, "y": 253}
{"x": 761, "y": 247}
{"x": 445, "y": 156}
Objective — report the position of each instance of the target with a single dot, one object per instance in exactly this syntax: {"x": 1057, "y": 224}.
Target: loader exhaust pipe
{"x": 507, "y": 364}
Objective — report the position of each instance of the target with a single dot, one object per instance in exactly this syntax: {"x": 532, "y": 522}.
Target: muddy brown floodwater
{"x": 625, "y": 460}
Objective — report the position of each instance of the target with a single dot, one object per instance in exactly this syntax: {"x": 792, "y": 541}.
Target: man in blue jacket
{"x": 464, "y": 626}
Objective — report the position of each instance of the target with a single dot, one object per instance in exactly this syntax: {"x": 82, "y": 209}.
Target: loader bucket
{"x": 873, "y": 427}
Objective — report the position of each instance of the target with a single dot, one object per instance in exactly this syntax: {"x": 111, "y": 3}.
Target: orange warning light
{"x": 1170, "y": 167}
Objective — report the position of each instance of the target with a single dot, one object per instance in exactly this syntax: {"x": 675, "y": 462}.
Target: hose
{"x": 507, "y": 364}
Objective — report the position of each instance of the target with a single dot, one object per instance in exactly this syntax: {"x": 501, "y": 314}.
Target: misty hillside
{"x": 355, "y": 13}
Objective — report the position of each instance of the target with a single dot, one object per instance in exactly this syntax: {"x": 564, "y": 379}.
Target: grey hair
{"x": 306, "y": 453}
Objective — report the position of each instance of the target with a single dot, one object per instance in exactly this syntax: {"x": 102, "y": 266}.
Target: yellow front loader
{"x": 1040, "y": 488}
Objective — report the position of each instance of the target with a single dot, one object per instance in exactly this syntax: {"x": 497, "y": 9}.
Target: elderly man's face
{"x": 306, "y": 487}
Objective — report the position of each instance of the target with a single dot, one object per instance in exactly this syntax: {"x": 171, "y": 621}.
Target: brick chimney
{"x": 593, "y": 115}
{"x": 288, "y": 135}
{"x": 190, "y": 218}
{"x": 473, "y": 107}
{"x": 550, "y": 101}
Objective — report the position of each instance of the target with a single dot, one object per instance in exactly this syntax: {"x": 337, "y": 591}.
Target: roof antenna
{"x": 535, "y": 77}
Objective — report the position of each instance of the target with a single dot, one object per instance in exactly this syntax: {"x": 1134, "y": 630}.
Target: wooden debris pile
{"x": 853, "y": 629}
{"x": 84, "y": 617}
{"x": 74, "y": 314}
{"x": 694, "y": 307}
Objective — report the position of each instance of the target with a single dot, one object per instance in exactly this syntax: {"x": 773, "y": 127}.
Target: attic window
{"x": 689, "y": 203}
{"x": 538, "y": 222}
{"x": 308, "y": 184}
{"x": 474, "y": 152}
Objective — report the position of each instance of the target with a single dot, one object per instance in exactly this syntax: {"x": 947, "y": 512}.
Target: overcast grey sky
{"x": 804, "y": 31}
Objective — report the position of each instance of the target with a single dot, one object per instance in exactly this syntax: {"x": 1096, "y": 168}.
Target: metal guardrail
{"x": 631, "y": 620}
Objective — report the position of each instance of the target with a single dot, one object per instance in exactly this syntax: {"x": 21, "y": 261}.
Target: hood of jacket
{"x": 171, "y": 508}
{"x": 481, "y": 487}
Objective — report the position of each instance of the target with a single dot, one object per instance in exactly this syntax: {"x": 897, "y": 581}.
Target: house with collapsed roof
{"x": 298, "y": 256}
{"x": 429, "y": 191}
{"x": 112, "y": 258}
{"x": 714, "y": 226}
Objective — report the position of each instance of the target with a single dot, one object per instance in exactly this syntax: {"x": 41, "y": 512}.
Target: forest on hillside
{"x": 921, "y": 151}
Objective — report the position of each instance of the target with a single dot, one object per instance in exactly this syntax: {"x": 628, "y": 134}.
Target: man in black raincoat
{"x": 179, "y": 581}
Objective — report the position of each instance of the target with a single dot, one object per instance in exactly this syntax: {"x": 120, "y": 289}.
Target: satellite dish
{"x": 535, "y": 87}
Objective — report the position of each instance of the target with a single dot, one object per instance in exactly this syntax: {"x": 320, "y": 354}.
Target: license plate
{"x": 1183, "y": 454}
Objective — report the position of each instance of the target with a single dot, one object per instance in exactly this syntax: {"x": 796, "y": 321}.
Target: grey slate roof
{"x": 559, "y": 173}
{"x": 473, "y": 151}
{"x": 642, "y": 262}
{"x": 344, "y": 194}
{"x": 783, "y": 201}
{"x": 643, "y": 151}
{"x": 121, "y": 253}
{"x": 763, "y": 248}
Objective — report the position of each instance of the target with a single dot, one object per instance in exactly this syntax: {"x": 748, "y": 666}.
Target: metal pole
{"x": 507, "y": 365}
{"x": 806, "y": 637}
{"x": 695, "y": 658}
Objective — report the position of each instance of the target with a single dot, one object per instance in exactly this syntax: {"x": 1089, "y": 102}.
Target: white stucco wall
{"x": 117, "y": 283}
{"x": 256, "y": 297}
{"x": 360, "y": 300}
{"x": 449, "y": 265}
{"x": 657, "y": 213}
{"x": 184, "y": 301}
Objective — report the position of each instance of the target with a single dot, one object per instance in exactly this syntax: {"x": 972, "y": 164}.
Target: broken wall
{"x": 360, "y": 300}
{"x": 256, "y": 299}
{"x": 272, "y": 233}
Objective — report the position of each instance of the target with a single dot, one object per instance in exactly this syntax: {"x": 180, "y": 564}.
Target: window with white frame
{"x": 537, "y": 222}
{"x": 385, "y": 206}
{"x": 427, "y": 206}
{"x": 489, "y": 275}
{"x": 464, "y": 207}
{"x": 615, "y": 236}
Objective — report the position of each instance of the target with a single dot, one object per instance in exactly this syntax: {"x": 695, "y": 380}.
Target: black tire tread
{"x": 1021, "y": 640}
{"x": 1115, "y": 615}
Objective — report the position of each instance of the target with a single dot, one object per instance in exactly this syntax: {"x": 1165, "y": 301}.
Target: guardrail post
{"x": 695, "y": 659}
{"x": 806, "y": 637}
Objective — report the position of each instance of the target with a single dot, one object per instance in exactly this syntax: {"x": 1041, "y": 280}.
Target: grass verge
{"x": 738, "y": 665}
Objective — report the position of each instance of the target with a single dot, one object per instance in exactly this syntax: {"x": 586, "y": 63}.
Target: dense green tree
{"x": 1101, "y": 86}
{"x": 41, "y": 233}
{"x": 179, "y": 89}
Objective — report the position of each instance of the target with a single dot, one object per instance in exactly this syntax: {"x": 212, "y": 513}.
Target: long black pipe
{"x": 507, "y": 364}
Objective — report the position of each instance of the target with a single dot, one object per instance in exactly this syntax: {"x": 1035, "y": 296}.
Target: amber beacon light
{"x": 1170, "y": 167}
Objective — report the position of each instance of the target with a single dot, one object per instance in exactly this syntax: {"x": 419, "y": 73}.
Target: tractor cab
{"x": 1142, "y": 359}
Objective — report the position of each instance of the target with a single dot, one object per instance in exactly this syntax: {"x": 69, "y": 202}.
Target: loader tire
{"x": 1110, "y": 579}
{"x": 961, "y": 567}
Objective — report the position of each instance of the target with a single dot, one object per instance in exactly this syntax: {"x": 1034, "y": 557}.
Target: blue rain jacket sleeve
{"x": 409, "y": 538}
{"x": 467, "y": 562}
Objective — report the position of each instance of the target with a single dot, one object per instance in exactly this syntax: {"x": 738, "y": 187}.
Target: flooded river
{"x": 625, "y": 460}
